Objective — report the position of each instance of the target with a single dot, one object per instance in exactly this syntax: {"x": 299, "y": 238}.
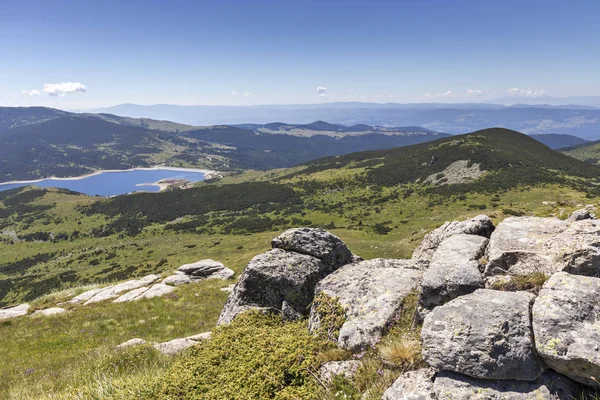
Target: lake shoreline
{"x": 207, "y": 174}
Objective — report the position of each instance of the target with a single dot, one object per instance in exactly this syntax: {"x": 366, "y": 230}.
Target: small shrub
{"x": 255, "y": 357}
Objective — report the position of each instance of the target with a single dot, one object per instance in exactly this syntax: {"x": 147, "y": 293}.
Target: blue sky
{"x": 281, "y": 52}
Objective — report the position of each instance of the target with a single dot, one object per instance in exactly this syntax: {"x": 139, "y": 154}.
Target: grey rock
{"x": 175, "y": 346}
{"x": 157, "y": 290}
{"x": 371, "y": 293}
{"x": 486, "y": 334}
{"x": 412, "y": 385}
{"x": 85, "y": 296}
{"x": 315, "y": 242}
{"x": 525, "y": 245}
{"x": 132, "y": 295}
{"x": 453, "y": 271}
{"x": 49, "y": 311}
{"x": 207, "y": 269}
{"x": 584, "y": 213}
{"x": 131, "y": 343}
{"x": 331, "y": 369}
{"x": 272, "y": 278}
{"x": 481, "y": 226}
{"x": 566, "y": 324}
{"x": 114, "y": 291}
{"x": 14, "y": 312}
{"x": 288, "y": 313}
{"x": 550, "y": 386}
{"x": 177, "y": 279}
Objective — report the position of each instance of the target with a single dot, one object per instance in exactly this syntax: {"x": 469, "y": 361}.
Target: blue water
{"x": 114, "y": 183}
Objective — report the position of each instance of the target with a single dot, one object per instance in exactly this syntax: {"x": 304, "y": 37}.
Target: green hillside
{"x": 588, "y": 152}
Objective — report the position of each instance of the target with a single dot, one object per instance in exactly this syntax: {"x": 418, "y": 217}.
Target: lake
{"x": 111, "y": 183}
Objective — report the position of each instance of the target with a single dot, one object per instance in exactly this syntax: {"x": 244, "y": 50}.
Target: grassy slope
{"x": 334, "y": 194}
{"x": 589, "y": 152}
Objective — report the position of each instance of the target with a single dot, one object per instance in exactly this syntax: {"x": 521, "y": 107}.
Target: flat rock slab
{"x": 114, "y": 291}
{"x": 525, "y": 245}
{"x": 372, "y": 294}
{"x": 412, "y": 385}
{"x": 132, "y": 295}
{"x": 176, "y": 280}
{"x": 566, "y": 324}
{"x": 550, "y": 386}
{"x": 480, "y": 226}
{"x": 14, "y": 312}
{"x": 85, "y": 296}
{"x": 486, "y": 334}
{"x": 315, "y": 242}
{"x": 157, "y": 290}
{"x": 49, "y": 311}
{"x": 176, "y": 346}
{"x": 272, "y": 278}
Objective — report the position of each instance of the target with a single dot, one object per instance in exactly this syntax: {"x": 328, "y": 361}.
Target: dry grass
{"x": 403, "y": 352}
{"x": 531, "y": 282}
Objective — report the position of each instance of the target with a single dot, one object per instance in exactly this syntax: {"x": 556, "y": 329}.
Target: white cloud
{"x": 247, "y": 94}
{"x": 529, "y": 92}
{"x": 475, "y": 92}
{"x": 64, "y": 88}
{"x": 445, "y": 94}
{"x": 33, "y": 92}
{"x": 322, "y": 91}
{"x": 233, "y": 93}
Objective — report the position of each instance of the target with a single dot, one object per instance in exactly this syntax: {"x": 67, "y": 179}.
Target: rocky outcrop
{"x": 481, "y": 226}
{"x": 114, "y": 291}
{"x": 371, "y": 294}
{"x": 345, "y": 369}
{"x": 486, "y": 334}
{"x": 453, "y": 271}
{"x": 145, "y": 292}
{"x": 199, "y": 271}
{"x": 317, "y": 243}
{"x": 272, "y": 278}
{"x": 566, "y": 324}
{"x": 549, "y": 386}
{"x": 412, "y": 385}
{"x": 525, "y": 245}
{"x": 14, "y": 312}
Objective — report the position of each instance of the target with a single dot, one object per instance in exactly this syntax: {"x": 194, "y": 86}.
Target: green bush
{"x": 255, "y": 357}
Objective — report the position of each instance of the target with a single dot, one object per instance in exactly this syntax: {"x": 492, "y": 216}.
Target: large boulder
{"x": 272, "y": 278}
{"x": 566, "y": 324}
{"x": 412, "y": 385}
{"x": 481, "y": 225}
{"x": 486, "y": 334}
{"x": 454, "y": 270}
{"x": 371, "y": 294}
{"x": 550, "y": 386}
{"x": 525, "y": 245}
{"x": 315, "y": 242}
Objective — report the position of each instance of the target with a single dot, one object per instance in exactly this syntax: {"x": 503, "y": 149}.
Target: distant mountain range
{"x": 579, "y": 120}
{"x": 39, "y": 142}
